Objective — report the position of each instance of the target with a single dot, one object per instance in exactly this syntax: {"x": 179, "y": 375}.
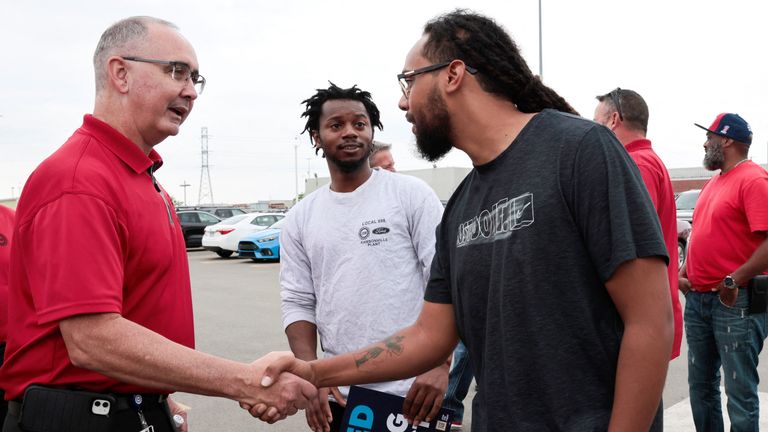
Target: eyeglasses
{"x": 180, "y": 71}
{"x": 407, "y": 77}
{"x": 616, "y": 99}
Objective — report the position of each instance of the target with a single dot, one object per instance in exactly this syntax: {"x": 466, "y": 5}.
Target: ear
{"x": 117, "y": 74}
{"x": 615, "y": 120}
{"x": 457, "y": 71}
{"x": 727, "y": 142}
{"x": 315, "y": 139}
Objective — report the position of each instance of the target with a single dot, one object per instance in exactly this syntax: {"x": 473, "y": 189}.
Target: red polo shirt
{"x": 729, "y": 223}
{"x": 93, "y": 235}
{"x": 656, "y": 179}
{"x": 6, "y": 234}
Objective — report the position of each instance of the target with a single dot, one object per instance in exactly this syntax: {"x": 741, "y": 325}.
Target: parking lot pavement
{"x": 237, "y": 316}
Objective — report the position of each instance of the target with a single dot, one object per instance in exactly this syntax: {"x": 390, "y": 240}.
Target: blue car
{"x": 262, "y": 245}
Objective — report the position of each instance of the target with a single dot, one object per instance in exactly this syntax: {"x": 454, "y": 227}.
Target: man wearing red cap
{"x": 724, "y": 323}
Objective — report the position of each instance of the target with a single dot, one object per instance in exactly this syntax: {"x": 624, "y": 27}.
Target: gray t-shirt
{"x": 356, "y": 264}
{"x": 525, "y": 246}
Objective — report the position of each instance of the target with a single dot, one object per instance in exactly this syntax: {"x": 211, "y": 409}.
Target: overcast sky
{"x": 689, "y": 59}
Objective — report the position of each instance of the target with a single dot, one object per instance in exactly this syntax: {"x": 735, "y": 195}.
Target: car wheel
{"x": 224, "y": 253}
{"x": 680, "y": 254}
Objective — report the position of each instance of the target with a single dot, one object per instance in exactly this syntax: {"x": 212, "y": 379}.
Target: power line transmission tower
{"x": 206, "y": 188}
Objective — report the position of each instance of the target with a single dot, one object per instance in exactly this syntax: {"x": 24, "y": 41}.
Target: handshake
{"x": 280, "y": 385}
{"x": 283, "y": 385}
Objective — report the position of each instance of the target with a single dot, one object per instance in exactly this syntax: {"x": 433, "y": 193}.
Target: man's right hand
{"x": 684, "y": 285}
{"x": 284, "y": 396}
{"x": 286, "y": 363}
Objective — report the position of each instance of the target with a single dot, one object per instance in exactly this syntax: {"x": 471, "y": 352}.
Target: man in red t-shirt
{"x": 99, "y": 296}
{"x": 728, "y": 248}
{"x": 6, "y": 235}
{"x": 626, "y": 114}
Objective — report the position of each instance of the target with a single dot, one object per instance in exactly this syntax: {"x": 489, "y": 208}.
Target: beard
{"x": 714, "y": 157}
{"x": 349, "y": 165}
{"x": 434, "y": 137}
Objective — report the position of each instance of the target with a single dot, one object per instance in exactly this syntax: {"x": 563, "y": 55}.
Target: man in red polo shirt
{"x": 100, "y": 324}
{"x": 626, "y": 114}
{"x": 728, "y": 247}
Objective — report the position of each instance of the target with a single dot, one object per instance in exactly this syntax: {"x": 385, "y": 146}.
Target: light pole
{"x": 185, "y": 185}
{"x": 541, "y": 53}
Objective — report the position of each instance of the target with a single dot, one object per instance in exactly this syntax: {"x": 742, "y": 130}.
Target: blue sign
{"x": 374, "y": 411}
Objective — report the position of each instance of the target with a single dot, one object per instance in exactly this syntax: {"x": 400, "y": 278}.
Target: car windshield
{"x": 687, "y": 200}
{"x": 233, "y": 220}
{"x": 277, "y": 224}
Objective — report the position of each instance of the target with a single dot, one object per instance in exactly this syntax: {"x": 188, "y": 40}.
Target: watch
{"x": 729, "y": 282}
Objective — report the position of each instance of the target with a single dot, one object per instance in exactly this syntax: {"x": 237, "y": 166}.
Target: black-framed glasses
{"x": 407, "y": 77}
{"x": 180, "y": 71}
{"x": 616, "y": 99}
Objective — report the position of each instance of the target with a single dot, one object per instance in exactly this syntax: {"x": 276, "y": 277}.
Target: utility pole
{"x": 541, "y": 53}
{"x": 206, "y": 188}
{"x": 185, "y": 185}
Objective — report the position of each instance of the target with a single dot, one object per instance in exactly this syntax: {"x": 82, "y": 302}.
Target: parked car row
{"x": 251, "y": 235}
{"x": 224, "y": 237}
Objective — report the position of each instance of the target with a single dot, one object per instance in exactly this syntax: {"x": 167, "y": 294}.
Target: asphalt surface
{"x": 237, "y": 316}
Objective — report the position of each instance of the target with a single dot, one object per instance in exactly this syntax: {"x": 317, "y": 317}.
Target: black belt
{"x": 123, "y": 402}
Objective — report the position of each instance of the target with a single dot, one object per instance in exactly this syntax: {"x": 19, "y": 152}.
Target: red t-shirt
{"x": 729, "y": 223}
{"x": 93, "y": 235}
{"x": 656, "y": 179}
{"x": 6, "y": 234}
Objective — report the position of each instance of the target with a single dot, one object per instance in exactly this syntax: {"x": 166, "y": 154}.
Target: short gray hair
{"x": 117, "y": 36}
{"x": 380, "y": 146}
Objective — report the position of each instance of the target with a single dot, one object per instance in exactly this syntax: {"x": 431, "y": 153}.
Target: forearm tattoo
{"x": 392, "y": 346}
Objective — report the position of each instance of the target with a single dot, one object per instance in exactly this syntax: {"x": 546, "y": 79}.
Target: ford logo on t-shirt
{"x": 381, "y": 230}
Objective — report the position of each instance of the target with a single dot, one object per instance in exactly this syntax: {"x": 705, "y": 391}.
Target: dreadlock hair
{"x": 481, "y": 43}
{"x": 315, "y": 106}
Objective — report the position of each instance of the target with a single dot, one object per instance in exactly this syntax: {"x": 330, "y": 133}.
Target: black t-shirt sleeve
{"x": 609, "y": 202}
{"x": 439, "y": 285}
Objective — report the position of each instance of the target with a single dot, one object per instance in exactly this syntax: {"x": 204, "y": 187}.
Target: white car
{"x": 224, "y": 236}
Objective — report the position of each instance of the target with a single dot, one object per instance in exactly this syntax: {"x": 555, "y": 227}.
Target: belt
{"x": 709, "y": 291}
{"x": 123, "y": 402}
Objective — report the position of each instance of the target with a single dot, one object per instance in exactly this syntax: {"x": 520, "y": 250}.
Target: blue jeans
{"x": 729, "y": 337}
{"x": 459, "y": 380}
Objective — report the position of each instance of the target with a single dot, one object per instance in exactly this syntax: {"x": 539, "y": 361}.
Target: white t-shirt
{"x": 356, "y": 264}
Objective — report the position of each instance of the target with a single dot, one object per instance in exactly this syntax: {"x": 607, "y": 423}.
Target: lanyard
{"x": 136, "y": 401}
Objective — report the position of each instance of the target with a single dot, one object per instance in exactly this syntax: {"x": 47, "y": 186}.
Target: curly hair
{"x": 314, "y": 106}
{"x": 481, "y": 43}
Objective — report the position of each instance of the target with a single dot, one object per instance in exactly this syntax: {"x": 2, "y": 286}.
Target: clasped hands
{"x": 288, "y": 384}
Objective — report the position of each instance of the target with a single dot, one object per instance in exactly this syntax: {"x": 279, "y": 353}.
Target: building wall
{"x": 11, "y": 203}
{"x": 445, "y": 180}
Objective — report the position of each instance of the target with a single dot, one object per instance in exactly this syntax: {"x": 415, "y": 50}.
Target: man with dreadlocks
{"x": 549, "y": 262}
{"x": 355, "y": 254}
